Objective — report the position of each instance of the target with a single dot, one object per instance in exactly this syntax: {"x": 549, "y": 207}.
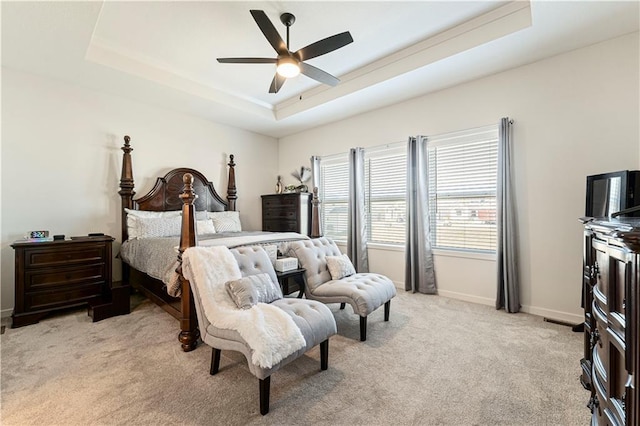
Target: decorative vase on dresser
{"x": 611, "y": 277}
{"x": 288, "y": 212}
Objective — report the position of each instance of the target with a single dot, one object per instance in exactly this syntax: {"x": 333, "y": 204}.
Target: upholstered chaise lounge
{"x": 314, "y": 320}
{"x": 365, "y": 292}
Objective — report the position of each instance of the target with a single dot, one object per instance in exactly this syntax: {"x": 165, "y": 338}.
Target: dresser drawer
{"x": 287, "y": 201}
{"x": 279, "y": 214}
{"x": 45, "y": 258}
{"x": 281, "y": 226}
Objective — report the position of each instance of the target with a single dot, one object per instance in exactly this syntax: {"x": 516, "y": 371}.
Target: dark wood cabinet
{"x": 611, "y": 274}
{"x": 289, "y": 212}
{"x": 52, "y": 275}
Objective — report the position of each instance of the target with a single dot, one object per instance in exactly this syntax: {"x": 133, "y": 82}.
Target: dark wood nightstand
{"x": 52, "y": 275}
{"x": 297, "y": 275}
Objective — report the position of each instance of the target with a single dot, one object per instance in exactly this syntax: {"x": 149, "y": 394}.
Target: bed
{"x": 185, "y": 195}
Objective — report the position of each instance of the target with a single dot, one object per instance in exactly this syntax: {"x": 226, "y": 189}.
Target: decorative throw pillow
{"x": 149, "y": 213}
{"x": 157, "y": 227}
{"x": 253, "y": 289}
{"x": 205, "y": 227}
{"x": 340, "y": 266}
{"x": 226, "y": 221}
{"x": 133, "y": 230}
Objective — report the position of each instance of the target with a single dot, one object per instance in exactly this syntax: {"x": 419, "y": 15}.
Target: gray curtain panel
{"x": 357, "y": 221}
{"x": 315, "y": 171}
{"x": 315, "y": 183}
{"x": 419, "y": 273}
{"x": 506, "y": 250}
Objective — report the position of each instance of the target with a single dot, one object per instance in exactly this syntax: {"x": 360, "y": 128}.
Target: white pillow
{"x": 157, "y": 227}
{"x": 133, "y": 215}
{"x": 205, "y": 227}
{"x": 226, "y": 221}
{"x": 340, "y": 266}
{"x": 148, "y": 213}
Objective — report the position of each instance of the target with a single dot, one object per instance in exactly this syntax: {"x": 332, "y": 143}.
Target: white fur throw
{"x": 270, "y": 332}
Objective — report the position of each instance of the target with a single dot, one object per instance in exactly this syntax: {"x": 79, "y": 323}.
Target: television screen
{"x": 605, "y": 196}
{"x": 606, "y": 193}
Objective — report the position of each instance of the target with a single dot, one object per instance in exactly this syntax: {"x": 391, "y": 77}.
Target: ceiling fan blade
{"x": 276, "y": 83}
{"x": 247, "y": 60}
{"x": 318, "y": 74}
{"x": 269, "y": 31}
{"x": 323, "y": 46}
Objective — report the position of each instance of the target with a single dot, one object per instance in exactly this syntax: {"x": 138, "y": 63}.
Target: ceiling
{"x": 163, "y": 53}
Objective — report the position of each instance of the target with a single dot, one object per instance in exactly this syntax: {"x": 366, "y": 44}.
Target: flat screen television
{"x": 608, "y": 193}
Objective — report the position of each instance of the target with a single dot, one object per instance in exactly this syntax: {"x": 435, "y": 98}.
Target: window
{"x": 334, "y": 193}
{"x": 386, "y": 191}
{"x": 462, "y": 189}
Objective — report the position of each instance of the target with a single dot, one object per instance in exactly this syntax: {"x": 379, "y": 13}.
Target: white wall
{"x": 61, "y": 160}
{"x": 575, "y": 114}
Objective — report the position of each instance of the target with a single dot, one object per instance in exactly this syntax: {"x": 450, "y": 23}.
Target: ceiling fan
{"x": 290, "y": 64}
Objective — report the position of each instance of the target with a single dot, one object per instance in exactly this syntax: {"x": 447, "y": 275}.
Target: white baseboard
{"x": 552, "y": 314}
{"x": 467, "y": 297}
{"x": 542, "y": 312}
{"x": 6, "y": 313}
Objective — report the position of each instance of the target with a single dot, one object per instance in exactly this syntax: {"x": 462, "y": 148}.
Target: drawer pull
{"x": 595, "y": 337}
{"x": 595, "y": 270}
{"x": 593, "y": 403}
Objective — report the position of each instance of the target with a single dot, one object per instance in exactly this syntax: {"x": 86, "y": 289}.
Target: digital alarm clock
{"x": 38, "y": 234}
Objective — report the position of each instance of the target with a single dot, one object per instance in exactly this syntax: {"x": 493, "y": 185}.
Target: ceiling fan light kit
{"x": 287, "y": 67}
{"x": 290, "y": 64}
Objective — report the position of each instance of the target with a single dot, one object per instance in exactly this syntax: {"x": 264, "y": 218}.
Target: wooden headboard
{"x": 165, "y": 194}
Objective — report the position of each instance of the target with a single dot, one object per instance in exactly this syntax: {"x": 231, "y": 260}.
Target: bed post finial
{"x": 188, "y": 238}
{"x": 231, "y": 187}
{"x": 126, "y": 185}
{"x": 315, "y": 214}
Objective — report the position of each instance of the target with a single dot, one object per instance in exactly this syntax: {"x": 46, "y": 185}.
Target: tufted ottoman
{"x": 365, "y": 292}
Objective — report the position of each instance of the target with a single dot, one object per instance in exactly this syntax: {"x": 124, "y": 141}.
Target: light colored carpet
{"x": 437, "y": 362}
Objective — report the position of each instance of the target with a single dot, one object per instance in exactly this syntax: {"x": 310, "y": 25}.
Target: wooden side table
{"x": 284, "y": 277}
{"x": 52, "y": 275}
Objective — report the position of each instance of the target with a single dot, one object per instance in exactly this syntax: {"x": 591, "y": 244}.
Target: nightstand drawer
{"x": 50, "y": 300}
{"x": 44, "y": 258}
{"x": 37, "y": 280}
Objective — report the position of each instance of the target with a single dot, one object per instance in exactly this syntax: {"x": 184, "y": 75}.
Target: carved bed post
{"x": 126, "y": 185}
{"x": 188, "y": 323}
{"x": 315, "y": 215}
{"x": 126, "y": 195}
{"x": 231, "y": 186}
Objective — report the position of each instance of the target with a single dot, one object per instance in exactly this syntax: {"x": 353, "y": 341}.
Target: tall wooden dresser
{"x": 289, "y": 212}
{"x": 611, "y": 274}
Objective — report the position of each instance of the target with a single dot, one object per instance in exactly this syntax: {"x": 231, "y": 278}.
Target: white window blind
{"x": 462, "y": 189}
{"x": 334, "y": 193}
{"x": 385, "y": 186}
